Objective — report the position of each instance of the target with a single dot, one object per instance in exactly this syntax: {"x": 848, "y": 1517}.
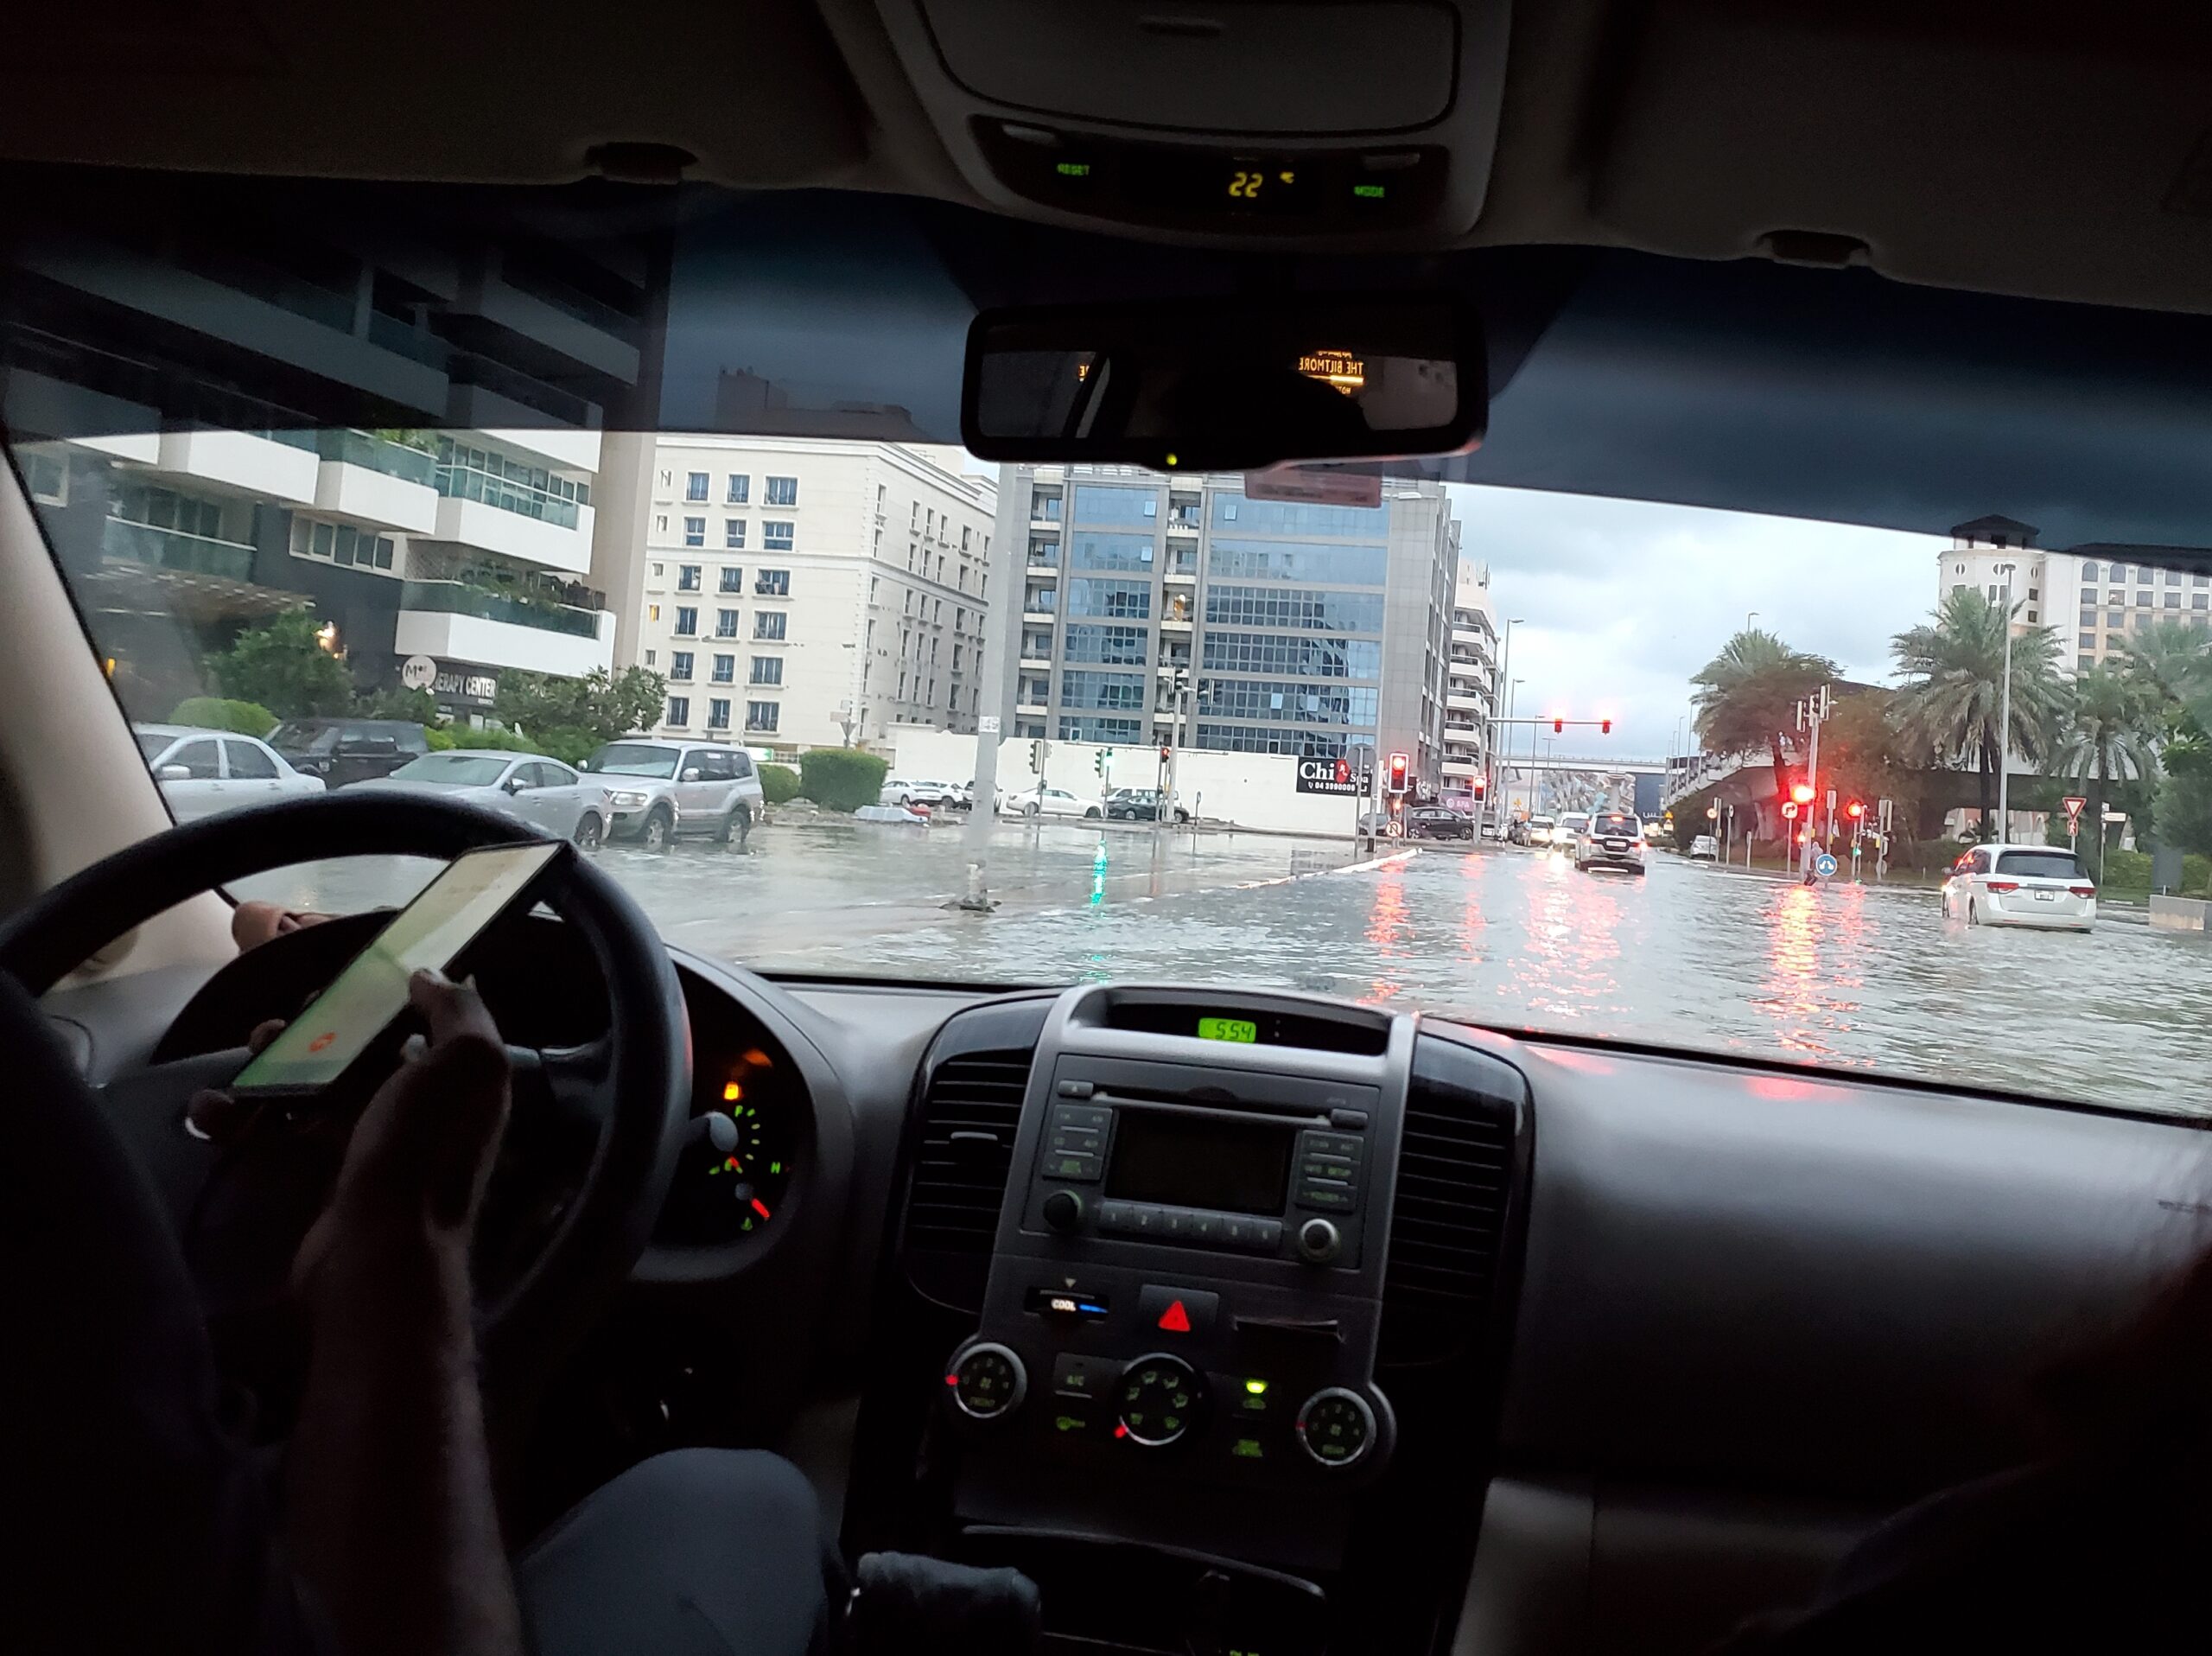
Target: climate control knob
{"x": 1063, "y": 1212}
{"x": 1319, "y": 1241}
{"x": 1158, "y": 1399}
{"x": 1336, "y": 1428}
{"x": 987, "y": 1382}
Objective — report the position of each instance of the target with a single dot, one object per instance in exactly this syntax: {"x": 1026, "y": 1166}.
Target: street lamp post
{"x": 2005, "y": 714}
{"x": 1750, "y": 616}
{"x": 1503, "y": 676}
{"x": 1511, "y": 687}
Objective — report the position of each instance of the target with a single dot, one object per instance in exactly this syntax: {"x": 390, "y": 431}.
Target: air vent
{"x": 965, "y": 1147}
{"x": 1447, "y": 1217}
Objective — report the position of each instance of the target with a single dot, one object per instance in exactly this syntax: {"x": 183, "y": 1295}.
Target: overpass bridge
{"x": 1551, "y": 783}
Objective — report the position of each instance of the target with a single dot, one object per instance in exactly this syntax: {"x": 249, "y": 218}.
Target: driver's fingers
{"x": 263, "y": 1033}
{"x": 452, "y": 1011}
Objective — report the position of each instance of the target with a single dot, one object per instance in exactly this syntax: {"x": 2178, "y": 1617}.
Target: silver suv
{"x": 657, "y": 790}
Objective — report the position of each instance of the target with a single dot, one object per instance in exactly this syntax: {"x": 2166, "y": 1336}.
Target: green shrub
{"x": 417, "y": 706}
{"x": 441, "y": 738}
{"x": 841, "y": 778}
{"x": 779, "y": 784}
{"x": 2127, "y": 870}
{"x": 214, "y": 713}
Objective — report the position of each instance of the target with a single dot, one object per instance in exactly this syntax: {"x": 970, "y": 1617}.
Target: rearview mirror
{"x": 516, "y": 785}
{"x": 690, "y": 775}
{"x": 177, "y": 773}
{"x": 1213, "y": 385}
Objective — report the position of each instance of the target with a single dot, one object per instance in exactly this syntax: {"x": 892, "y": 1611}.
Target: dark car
{"x": 348, "y": 750}
{"x": 1438, "y": 821}
{"x": 1139, "y": 805}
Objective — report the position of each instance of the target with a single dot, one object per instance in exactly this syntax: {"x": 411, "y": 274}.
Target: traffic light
{"x": 1399, "y": 764}
{"x": 1037, "y": 758}
{"x": 1605, "y": 727}
{"x": 1802, "y": 792}
{"x": 1855, "y": 809}
{"x": 1164, "y": 756}
{"x": 1559, "y": 724}
{"x": 1481, "y": 788}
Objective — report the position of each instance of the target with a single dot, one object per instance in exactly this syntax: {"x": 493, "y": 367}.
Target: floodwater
{"x": 1850, "y": 977}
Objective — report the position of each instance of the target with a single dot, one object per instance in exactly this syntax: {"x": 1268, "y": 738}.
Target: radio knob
{"x": 987, "y": 1382}
{"x": 1063, "y": 1212}
{"x": 1319, "y": 1241}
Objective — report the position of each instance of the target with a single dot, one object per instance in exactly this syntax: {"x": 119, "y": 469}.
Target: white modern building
{"x": 802, "y": 592}
{"x": 1470, "y": 690}
{"x": 2091, "y": 598}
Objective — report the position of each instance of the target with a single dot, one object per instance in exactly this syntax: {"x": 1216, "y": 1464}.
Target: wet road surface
{"x": 1688, "y": 955}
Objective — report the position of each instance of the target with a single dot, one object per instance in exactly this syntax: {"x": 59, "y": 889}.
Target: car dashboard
{"x": 1246, "y": 1319}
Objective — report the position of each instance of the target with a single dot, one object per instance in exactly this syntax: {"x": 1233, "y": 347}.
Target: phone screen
{"x": 447, "y": 915}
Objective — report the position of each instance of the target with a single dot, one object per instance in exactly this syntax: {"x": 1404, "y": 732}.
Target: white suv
{"x": 903, "y": 790}
{"x": 659, "y": 790}
{"x": 2042, "y": 886}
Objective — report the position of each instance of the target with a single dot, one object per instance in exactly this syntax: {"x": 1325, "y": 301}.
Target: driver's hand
{"x": 415, "y": 1166}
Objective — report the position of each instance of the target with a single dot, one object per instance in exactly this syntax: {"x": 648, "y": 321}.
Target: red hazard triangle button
{"x": 1179, "y": 1310}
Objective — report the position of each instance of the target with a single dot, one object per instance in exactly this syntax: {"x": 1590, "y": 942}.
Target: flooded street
{"x": 1852, "y": 977}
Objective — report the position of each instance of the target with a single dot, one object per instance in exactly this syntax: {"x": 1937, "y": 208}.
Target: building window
{"x": 718, "y": 713}
{"x": 733, "y": 579}
{"x": 781, "y": 491}
{"x": 2173, "y": 600}
{"x": 679, "y": 709}
{"x": 679, "y": 667}
{"x": 773, "y": 583}
{"x": 652, "y": 612}
{"x": 2085, "y": 640}
{"x": 695, "y": 486}
{"x": 725, "y": 623}
{"x": 767, "y": 670}
{"x": 2173, "y": 578}
{"x": 1098, "y": 729}
{"x": 761, "y": 715}
{"x": 2196, "y": 600}
{"x": 695, "y": 531}
{"x": 687, "y": 577}
{"x": 2083, "y": 663}
{"x": 651, "y": 656}
{"x": 2142, "y": 600}
{"x": 687, "y": 622}
{"x": 769, "y": 623}
{"x": 776, "y": 537}
{"x": 733, "y": 532}
{"x": 1097, "y": 505}
{"x": 725, "y": 669}
{"x": 740, "y": 490}
{"x": 2088, "y": 571}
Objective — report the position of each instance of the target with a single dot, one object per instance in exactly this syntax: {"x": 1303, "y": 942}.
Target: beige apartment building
{"x": 799, "y": 593}
{"x": 2092, "y": 598}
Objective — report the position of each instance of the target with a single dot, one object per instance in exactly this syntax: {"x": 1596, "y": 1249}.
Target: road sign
{"x": 1789, "y": 810}
{"x": 2073, "y": 802}
{"x": 1824, "y": 865}
{"x": 1882, "y": 815}
{"x": 988, "y": 725}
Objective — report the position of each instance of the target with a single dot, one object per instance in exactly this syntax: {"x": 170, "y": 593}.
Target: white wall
{"x": 1252, "y": 790}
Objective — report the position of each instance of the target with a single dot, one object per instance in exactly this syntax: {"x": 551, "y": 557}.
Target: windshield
{"x": 854, "y": 611}
{"x": 457, "y": 770}
{"x": 150, "y": 746}
{"x": 632, "y": 759}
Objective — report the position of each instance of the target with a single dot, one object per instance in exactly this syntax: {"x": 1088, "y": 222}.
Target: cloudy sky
{"x": 1623, "y": 601}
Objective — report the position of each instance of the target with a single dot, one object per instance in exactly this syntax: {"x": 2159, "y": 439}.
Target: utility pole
{"x": 2005, "y": 714}
{"x": 1503, "y": 676}
{"x": 1810, "y": 713}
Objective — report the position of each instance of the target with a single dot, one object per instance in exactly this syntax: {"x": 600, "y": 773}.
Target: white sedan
{"x": 1705, "y": 849}
{"x": 1050, "y": 802}
{"x": 919, "y": 790}
{"x": 2041, "y": 886}
{"x": 201, "y": 772}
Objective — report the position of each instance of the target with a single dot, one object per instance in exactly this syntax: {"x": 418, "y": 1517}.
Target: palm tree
{"x": 1745, "y": 695}
{"x": 2111, "y": 737}
{"x": 2172, "y": 665}
{"x": 1955, "y": 670}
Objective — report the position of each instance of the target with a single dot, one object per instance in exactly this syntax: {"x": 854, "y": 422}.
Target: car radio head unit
{"x": 1181, "y": 1159}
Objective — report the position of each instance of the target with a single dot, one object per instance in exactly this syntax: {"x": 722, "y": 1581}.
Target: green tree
{"x": 418, "y": 706}
{"x": 281, "y": 664}
{"x": 213, "y": 713}
{"x": 599, "y": 704}
{"x": 1952, "y": 697}
{"x": 2109, "y": 738}
{"x": 1745, "y": 694}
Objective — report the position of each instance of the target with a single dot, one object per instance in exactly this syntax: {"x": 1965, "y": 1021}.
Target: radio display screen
{"x": 1179, "y": 1161}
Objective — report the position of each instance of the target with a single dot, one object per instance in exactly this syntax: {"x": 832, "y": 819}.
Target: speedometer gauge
{"x": 736, "y": 1165}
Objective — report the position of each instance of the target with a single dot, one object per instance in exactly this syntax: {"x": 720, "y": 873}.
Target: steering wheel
{"x": 240, "y": 1213}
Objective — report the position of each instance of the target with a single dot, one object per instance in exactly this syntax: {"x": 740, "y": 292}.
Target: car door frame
{"x": 263, "y": 789}
{"x": 209, "y": 794}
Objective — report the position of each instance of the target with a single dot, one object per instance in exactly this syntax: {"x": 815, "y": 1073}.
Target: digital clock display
{"x": 1228, "y": 1029}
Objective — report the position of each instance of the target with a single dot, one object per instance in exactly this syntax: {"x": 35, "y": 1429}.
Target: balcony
{"x": 449, "y": 621}
{"x": 270, "y": 466}
{"x": 558, "y": 537}
{"x": 172, "y": 549}
{"x": 374, "y": 480}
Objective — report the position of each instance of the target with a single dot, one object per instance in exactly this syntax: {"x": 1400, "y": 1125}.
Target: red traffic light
{"x": 1399, "y": 764}
{"x": 1481, "y": 787}
{"x": 1163, "y": 756}
{"x": 1855, "y": 809}
{"x": 1802, "y": 792}
{"x": 1559, "y": 724}
{"x": 1605, "y": 727}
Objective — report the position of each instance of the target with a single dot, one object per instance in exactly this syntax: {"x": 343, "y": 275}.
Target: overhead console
{"x": 1181, "y": 1245}
{"x": 1236, "y": 119}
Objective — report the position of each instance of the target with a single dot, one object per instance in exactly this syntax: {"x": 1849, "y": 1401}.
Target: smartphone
{"x": 345, "y": 1021}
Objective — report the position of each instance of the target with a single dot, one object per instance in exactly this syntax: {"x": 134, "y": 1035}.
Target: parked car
{"x": 1139, "y": 805}
{"x": 1050, "y": 802}
{"x": 345, "y": 751}
{"x": 2042, "y": 886}
{"x": 1610, "y": 839}
{"x": 541, "y": 791}
{"x": 659, "y": 790}
{"x": 900, "y": 790}
{"x": 201, "y": 772}
{"x": 1705, "y": 849}
{"x": 1438, "y": 821}
{"x": 1380, "y": 822}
